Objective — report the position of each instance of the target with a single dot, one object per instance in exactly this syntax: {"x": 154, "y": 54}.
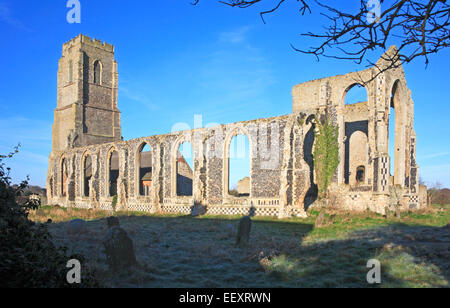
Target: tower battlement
{"x": 86, "y": 40}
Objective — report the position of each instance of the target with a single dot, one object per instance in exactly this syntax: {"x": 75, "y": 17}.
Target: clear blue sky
{"x": 177, "y": 61}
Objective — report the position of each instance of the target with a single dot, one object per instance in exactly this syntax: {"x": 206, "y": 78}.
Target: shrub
{"x": 114, "y": 203}
{"x": 28, "y": 257}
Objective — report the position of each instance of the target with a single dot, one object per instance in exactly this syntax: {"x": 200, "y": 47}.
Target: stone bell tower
{"x": 86, "y": 111}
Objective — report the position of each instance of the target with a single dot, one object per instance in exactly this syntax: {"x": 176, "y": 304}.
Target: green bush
{"x": 114, "y": 203}
{"x": 326, "y": 155}
{"x": 28, "y": 257}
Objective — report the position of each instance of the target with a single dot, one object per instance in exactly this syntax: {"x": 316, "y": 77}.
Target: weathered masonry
{"x": 90, "y": 164}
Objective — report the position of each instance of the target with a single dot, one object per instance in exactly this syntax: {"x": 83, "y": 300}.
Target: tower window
{"x": 97, "y": 72}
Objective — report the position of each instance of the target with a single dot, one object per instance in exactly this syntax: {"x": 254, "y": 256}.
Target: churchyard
{"x": 199, "y": 252}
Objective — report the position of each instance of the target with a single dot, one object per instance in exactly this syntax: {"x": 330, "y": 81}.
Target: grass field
{"x": 178, "y": 251}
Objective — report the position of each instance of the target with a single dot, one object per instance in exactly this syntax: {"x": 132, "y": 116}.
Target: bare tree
{"x": 419, "y": 28}
{"x": 433, "y": 192}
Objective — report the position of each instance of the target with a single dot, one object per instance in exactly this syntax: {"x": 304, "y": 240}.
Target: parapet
{"x": 86, "y": 40}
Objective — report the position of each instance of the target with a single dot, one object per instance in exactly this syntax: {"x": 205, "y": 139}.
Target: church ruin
{"x": 90, "y": 166}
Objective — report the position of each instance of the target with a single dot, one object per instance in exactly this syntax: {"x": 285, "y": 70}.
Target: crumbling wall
{"x": 272, "y": 154}
{"x": 326, "y": 96}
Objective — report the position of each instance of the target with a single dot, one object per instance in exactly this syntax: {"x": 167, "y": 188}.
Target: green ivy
{"x": 326, "y": 155}
{"x": 114, "y": 203}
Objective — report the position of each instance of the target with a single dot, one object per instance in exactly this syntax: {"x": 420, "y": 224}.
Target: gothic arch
{"x": 399, "y": 104}
{"x": 112, "y": 177}
{"x": 348, "y": 89}
{"x": 98, "y": 72}
{"x": 358, "y": 152}
{"x": 138, "y": 166}
{"x": 86, "y": 173}
{"x": 226, "y": 158}
{"x": 184, "y": 138}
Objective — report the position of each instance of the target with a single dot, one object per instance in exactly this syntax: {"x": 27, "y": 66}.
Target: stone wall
{"x": 270, "y": 166}
{"x": 243, "y": 187}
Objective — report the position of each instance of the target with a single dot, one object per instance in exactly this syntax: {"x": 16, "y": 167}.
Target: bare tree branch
{"x": 419, "y": 28}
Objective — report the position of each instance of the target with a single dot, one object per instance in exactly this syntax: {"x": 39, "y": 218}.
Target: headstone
{"x": 243, "y": 234}
{"x": 119, "y": 249}
{"x": 113, "y": 222}
{"x": 198, "y": 210}
{"x": 76, "y": 227}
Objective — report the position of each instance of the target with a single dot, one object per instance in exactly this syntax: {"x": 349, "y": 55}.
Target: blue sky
{"x": 177, "y": 61}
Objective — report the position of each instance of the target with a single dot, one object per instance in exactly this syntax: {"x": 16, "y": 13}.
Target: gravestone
{"x": 119, "y": 249}
{"x": 243, "y": 234}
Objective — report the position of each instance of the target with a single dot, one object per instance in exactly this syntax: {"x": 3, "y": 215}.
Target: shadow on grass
{"x": 410, "y": 256}
{"x": 182, "y": 251}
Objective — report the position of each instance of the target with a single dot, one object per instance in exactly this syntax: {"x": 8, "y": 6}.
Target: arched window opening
{"x": 87, "y": 170}
{"x": 391, "y": 142}
{"x": 355, "y": 95}
{"x": 185, "y": 175}
{"x": 357, "y": 157}
{"x": 145, "y": 170}
{"x": 397, "y": 138}
{"x": 360, "y": 174}
{"x": 356, "y": 129}
{"x": 64, "y": 178}
{"x": 97, "y": 72}
{"x": 113, "y": 173}
{"x": 239, "y": 166}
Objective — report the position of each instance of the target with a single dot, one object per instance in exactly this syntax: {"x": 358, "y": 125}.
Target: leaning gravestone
{"x": 198, "y": 210}
{"x": 76, "y": 227}
{"x": 119, "y": 249}
{"x": 243, "y": 234}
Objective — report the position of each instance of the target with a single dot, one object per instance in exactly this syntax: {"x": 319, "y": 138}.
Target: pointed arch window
{"x": 145, "y": 177}
{"x": 97, "y": 72}
{"x": 356, "y": 94}
{"x": 238, "y": 166}
{"x": 113, "y": 172}
{"x": 184, "y": 170}
{"x": 87, "y": 175}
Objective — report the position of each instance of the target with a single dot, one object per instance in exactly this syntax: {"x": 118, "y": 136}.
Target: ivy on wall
{"x": 326, "y": 154}
{"x": 114, "y": 203}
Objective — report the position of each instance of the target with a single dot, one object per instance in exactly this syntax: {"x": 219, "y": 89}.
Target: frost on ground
{"x": 176, "y": 251}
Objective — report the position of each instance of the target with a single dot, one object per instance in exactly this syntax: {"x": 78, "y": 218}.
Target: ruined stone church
{"x": 92, "y": 167}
